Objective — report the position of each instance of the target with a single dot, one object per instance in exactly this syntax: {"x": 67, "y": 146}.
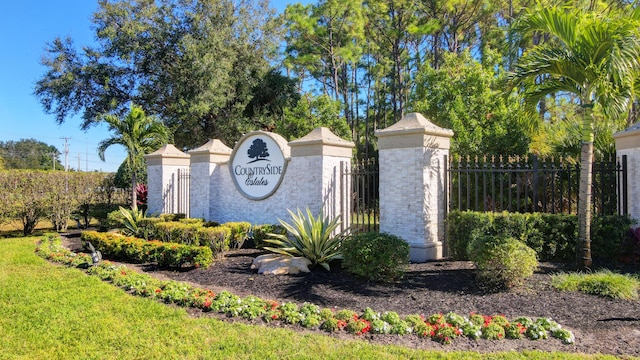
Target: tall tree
{"x": 592, "y": 55}
{"x": 139, "y": 134}
{"x": 193, "y": 63}
{"x": 29, "y": 154}
{"x": 467, "y": 97}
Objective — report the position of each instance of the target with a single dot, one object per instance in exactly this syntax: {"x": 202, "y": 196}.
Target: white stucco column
{"x": 316, "y": 160}
{"x": 628, "y": 144}
{"x": 163, "y": 166}
{"x": 205, "y": 161}
{"x": 412, "y": 184}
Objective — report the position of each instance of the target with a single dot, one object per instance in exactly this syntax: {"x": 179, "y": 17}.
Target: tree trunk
{"x": 583, "y": 246}
{"x": 134, "y": 194}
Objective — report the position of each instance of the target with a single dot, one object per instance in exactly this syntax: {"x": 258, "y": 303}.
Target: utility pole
{"x": 66, "y": 152}
{"x": 53, "y": 160}
{"x": 79, "y": 162}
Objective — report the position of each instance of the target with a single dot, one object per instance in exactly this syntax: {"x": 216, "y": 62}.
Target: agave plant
{"x": 130, "y": 221}
{"x": 309, "y": 237}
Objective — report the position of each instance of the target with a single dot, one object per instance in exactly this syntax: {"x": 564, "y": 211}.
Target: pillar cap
{"x": 214, "y": 151}
{"x": 167, "y": 155}
{"x": 414, "y": 131}
{"x": 321, "y": 141}
{"x": 628, "y": 138}
{"x": 413, "y": 123}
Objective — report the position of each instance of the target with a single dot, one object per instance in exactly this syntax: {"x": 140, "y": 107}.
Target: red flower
{"x": 207, "y": 303}
{"x": 158, "y": 290}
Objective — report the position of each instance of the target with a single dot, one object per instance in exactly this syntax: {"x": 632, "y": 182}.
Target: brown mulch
{"x": 600, "y": 325}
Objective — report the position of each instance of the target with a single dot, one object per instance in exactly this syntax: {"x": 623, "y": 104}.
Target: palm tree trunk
{"x": 583, "y": 246}
{"x": 134, "y": 194}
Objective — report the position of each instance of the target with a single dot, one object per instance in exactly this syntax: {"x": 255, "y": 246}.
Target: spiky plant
{"x": 311, "y": 237}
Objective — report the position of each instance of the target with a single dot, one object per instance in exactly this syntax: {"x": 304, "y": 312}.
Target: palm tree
{"x": 139, "y": 134}
{"x": 592, "y": 55}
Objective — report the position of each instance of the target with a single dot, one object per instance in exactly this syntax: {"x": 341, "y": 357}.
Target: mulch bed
{"x": 600, "y": 325}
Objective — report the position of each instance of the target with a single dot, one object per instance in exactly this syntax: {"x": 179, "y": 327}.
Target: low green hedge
{"x": 132, "y": 249}
{"x": 261, "y": 233}
{"x": 552, "y": 236}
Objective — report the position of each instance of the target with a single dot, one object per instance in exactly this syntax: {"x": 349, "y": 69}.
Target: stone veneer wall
{"x": 162, "y": 178}
{"x": 628, "y": 143}
{"x": 311, "y": 180}
{"x": 412, "y": 184}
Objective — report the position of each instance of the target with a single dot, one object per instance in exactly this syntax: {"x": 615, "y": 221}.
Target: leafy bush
{"x": 261, "y": 233}
{"x": 191, "y": 233}
{"x": 239, "y": 233}
{"x": 502, "y": 261}
{"x": 311, "y": 237}
{"x": 551, "y": 236}
{"x": 139, "y": 250}
{"x": 375, "y": 256}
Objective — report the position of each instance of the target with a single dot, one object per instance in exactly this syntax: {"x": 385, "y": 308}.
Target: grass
{"x": 49, "y": 311}
{"x": 602, "y": 283}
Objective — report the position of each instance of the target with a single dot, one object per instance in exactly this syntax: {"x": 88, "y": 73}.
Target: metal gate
{"x": 182, "y": 198}
{"x": 361, "y": 205}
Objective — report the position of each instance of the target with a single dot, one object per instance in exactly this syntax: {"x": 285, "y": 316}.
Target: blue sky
{"x": 26, "y": 27}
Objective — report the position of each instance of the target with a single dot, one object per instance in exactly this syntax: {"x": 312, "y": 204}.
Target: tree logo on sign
{"x": 258, "y": 150}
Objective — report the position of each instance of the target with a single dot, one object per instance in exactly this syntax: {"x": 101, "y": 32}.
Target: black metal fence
{"x": 530, "y": 184}
{"x": 182, "y": 198}
{"x": 363, "y": 202}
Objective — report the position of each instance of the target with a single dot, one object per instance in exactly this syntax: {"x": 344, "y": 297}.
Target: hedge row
{"x": 552, "y": 236}
{"x": 165, "y": 254}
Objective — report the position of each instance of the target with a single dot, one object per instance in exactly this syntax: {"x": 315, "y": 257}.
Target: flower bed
{"x": 443, "y": 328}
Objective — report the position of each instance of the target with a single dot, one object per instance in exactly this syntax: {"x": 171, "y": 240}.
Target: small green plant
{"x": 445, "y": 333}
{"x": 502, "y": 261}
{"x": 493, "y": 331}
{"x": 603, "y": 283}
{"x": 333, "y": 325}
{"x": 391, "y": 317}
{"x": 311, "y": 237}
{"x": 370, "y": 314}
{"x": 379, "y": 326}
{"x": 358, "y": 326}
{"x": 376, "y": 256}
{"x": 290, "y": 313}
{"x": 401, "y": 328}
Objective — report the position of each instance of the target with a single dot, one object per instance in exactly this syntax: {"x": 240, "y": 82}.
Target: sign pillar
{"x": 412, "y": 184}
{"x": 162, "y": 179}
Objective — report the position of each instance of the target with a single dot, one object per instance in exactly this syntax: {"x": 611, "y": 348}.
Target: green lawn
{"x": 53, "y": 312}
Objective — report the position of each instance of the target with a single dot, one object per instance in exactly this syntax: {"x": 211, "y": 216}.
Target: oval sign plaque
{"x": 257, "y": 165}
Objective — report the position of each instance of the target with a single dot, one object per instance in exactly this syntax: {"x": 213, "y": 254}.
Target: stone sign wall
{"x": 264, "y": 175}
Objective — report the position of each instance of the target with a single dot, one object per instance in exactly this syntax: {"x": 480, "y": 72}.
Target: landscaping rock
{"x": 274, "y": 264}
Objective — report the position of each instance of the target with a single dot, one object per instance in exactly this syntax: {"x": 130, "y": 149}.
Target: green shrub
{"x": 192, "y": 221}
{"x": 261, "y": 233}
{"x": 216, "y": 238}
{"x": 172, "y": 217}
{"x": 133, "y": 249}
{"x": 376, "y": 256}
{"x": 461, "y": 226}
{"x": 239, "y": 233}
{"x": 551, "y": 236}
{"x": 192, "y": 233}
{"x": 502, "y": 261}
